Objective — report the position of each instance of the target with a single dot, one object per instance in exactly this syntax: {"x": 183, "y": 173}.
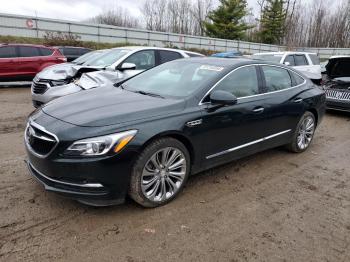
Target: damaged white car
{"x": 112, "y": 66}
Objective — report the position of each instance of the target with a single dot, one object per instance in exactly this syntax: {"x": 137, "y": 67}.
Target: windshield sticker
{"x": 211, "y": 68}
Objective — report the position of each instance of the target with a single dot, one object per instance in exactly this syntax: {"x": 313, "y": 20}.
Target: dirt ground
{"x": 273, "y": 206}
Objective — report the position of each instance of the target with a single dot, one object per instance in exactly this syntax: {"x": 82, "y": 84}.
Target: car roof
{"x": 339, "y": 56}
{"x": 286, "y": 52}
{"x": 136, "y": 48}
{"x": 224, "y": 62}
{"x": 66, "y": 46}
{"x": 17, "y": 44}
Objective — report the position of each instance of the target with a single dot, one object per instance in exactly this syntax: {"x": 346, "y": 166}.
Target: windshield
{"x": 173, "y": 79}
{"x": 271, "y": 58}
{"x": 85, "y": 57}
{"x": 108, "y": 58}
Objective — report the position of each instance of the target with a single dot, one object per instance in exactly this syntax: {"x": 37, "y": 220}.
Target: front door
{"x": 233, "y": 131}
{"x": 144, "y": 60}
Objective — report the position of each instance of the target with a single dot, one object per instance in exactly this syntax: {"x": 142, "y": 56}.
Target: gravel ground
{"x": 273, "y": 206}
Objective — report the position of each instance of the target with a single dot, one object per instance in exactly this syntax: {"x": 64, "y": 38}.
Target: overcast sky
{"x": 76, "y": 10}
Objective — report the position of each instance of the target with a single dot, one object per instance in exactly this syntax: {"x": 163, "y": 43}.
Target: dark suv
{"x": 72, "y": 52}
{"x": 23, "y": 62}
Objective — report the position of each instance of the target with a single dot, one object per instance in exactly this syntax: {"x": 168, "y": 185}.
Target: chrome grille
{"x": 338, "y": 95}
{"x": 40, "y": 86}
{"x": 38, "y": 140}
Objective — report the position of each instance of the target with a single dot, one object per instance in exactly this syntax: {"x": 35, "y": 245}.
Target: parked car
{"x": 58, "y": 74}
{"x": 23, "y": 62}
{"x": 229, "y": 54}
{"x": 73, "y": 52}
{"x": 307, "y": 63}
{"x": 145, "y": 136}
{"x": 337, "y": 83}
{"x": 115, "y": 65}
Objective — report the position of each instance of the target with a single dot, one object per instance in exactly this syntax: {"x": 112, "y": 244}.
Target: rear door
{"x": 30, "y": 60}
{"x": 8, "y": 61}
{"x": 282, "y": 105}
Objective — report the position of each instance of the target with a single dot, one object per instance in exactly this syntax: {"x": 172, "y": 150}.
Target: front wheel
{"x": 303, "y": 133}
{"x": 160, "y": 172}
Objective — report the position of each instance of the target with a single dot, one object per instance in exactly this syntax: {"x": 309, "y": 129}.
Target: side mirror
{"x": 224, "y": 98}
{"x": 127, "y": 66}
{"x": 287, "y": 63}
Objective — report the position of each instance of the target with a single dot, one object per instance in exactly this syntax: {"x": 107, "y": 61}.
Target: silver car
{"x": 112, "y": 66}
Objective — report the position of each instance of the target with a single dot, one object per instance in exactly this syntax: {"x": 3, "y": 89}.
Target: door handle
{"x": 298, "y": 100}
{"x": 258, "y": 110}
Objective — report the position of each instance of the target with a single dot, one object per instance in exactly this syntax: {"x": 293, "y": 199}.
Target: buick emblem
{"x": 338, "y": 95}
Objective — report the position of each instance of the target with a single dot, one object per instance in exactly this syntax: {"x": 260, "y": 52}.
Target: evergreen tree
{"x": 227, "y": 21}
{"x": 273, "y": 22}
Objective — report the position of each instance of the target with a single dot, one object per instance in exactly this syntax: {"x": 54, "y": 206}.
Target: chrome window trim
{"x": 32, "y": 123}
{"x": 263, "y": 94}
{"x": 87, "y": 185}
{"x": 247, "y": 144}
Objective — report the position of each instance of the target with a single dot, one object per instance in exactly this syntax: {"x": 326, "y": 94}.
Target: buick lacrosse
{"x": 144, "y": 137}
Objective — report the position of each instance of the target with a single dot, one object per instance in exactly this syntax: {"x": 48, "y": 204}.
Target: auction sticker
{"x": 211, "y": 68}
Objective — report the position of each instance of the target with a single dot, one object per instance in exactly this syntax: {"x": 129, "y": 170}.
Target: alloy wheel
{"x": 306, "y": 132}
{"x": 163, "y": 174}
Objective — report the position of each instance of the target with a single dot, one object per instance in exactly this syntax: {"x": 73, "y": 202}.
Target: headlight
{"x": 98, "y": 146}
{"x": 59, "y": 82}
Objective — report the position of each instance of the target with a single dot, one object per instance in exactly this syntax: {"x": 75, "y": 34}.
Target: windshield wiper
{"x": 148, "y": 94}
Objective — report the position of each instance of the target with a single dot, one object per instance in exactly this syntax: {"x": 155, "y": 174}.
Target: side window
{"x": 28, "y": 51}
{"x": 7, "y": 52}
{"x": 290, "y": 60}
{"x": 46, "y": 51}
{"x": 276, "y": 78}
{"x": 71, "y": 51}
{"x": 300, "y": 60}
{"x": 143, "y": 59}
{"x": 166, "y": 56}
{"x": 298, "y": 79}
{"x": 314, "y": 58}
{"x": 242, "y": 82}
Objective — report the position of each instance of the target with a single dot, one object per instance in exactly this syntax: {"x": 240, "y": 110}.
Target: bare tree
{"x": 117, "y": 16}
{"x": 200, "y": 11}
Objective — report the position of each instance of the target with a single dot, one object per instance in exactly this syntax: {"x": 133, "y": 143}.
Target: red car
{"x": 23, "y": 62}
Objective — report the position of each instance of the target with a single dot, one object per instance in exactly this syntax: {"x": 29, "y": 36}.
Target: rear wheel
{"x": 160, "y": 172}
{"x": 303, "y": 133}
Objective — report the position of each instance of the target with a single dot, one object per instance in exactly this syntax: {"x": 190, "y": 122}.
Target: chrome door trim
{"x": 263, "y": 94}
{"x": 248, "y": 144}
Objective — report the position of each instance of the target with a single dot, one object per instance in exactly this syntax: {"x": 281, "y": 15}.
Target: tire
{"x": 303, "y": 134}
{"x": 157, "y": 177}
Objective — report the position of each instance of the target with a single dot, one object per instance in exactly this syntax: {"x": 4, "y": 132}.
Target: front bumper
{"x": 52, "y": 93}
{"x": 333, "y": 104}
{"x": 76, "y": 190}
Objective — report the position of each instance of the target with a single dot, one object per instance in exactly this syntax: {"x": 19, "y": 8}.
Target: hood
{"x": 63, "y": 71}
{"x": 338, "y": 67}
{"x": 99, "y": 79}
{"x": 109, "y": 106}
